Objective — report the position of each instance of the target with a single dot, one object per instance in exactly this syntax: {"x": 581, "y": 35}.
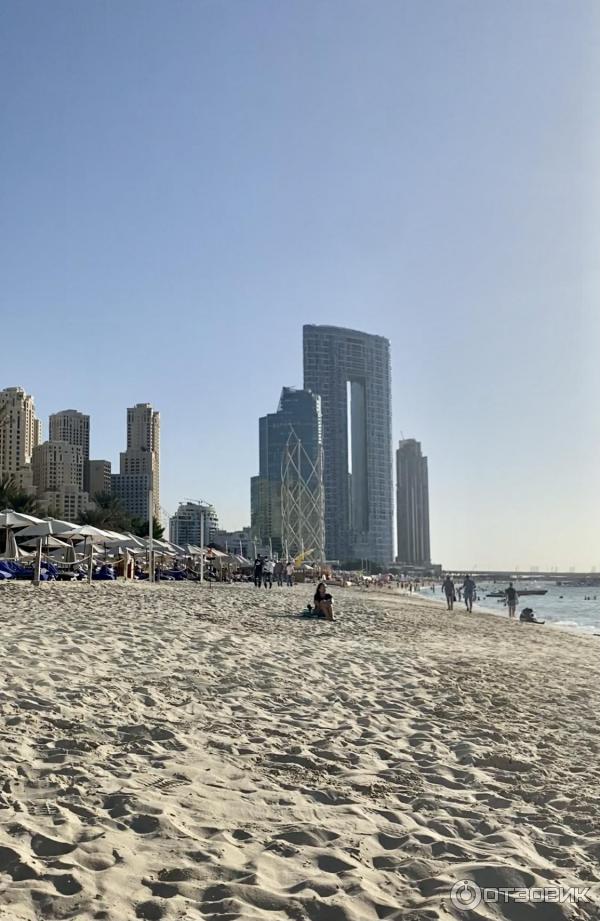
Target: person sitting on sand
{"x": 528, "y": 617}
{"x": 323, "y": 602}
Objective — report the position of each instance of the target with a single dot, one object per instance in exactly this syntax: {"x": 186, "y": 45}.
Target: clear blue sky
{"x": 184, "y": 184}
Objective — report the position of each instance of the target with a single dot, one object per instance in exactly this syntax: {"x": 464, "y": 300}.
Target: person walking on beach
{"x": 279, "y": 572}
{"x": 268, "y": 569}
{"x": 449, "y": 592}
{"x": 469, "y": 593}
{"x": 289, "y": 574}
{"x": 258, "y": 571}
{"x": 511, "y": 600}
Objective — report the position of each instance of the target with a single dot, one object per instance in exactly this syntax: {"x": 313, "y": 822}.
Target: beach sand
{"x": 186, "y": 752}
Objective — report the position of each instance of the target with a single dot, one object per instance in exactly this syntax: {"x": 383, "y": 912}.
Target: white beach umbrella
{"x": 49, "y": 541}
{"x": 59, "y": 526}
{"x": 10, "y": 519}
{"x": 43, "y": 529}
{"x": 48, "y": 526}
{"x": 135, "y": 539}
{"x": 82, "y": 532}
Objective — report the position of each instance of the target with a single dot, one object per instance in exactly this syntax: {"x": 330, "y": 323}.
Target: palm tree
{"x": 17, "y": 499}
{"x": 108, "y": 514}
{"x": 139, "y": 527}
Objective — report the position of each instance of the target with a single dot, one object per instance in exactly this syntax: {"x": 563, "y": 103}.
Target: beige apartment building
{"x": 99, "y": 477}
{"x": 73, "y": 427}
{"x": 20, "y": 431}
{"x": 139, "y": 469}
{"x": 58, "y": 478}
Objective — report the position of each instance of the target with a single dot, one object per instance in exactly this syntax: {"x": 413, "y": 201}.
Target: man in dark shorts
{"x": 449, "y": 592}
{"x": 469, "y": 593}
{"x": 258, "y": 571}
{"x": 511, "y": 600}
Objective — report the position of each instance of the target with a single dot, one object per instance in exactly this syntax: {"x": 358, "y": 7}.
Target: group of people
{"x": 468, "y": 592}
{"x": 511, "y": 597}
{"x": 268, "y": 570}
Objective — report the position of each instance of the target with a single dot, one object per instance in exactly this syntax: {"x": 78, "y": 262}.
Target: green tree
{"x": 108, "y": 514}
{"x": 16, "y": 499}
{"x": 139, "y": 527}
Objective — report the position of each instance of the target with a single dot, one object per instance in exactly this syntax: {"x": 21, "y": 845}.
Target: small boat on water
{"x": 520, "y": 592}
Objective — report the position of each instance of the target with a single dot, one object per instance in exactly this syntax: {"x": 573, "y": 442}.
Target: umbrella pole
{"x": 90, "y": 561}
{"x": 150, "y": 538}
{"x": 37, "y": 570}
{"x": 202, "y": 548}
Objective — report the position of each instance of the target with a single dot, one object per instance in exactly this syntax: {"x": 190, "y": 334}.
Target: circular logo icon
{"x": 465, "y": 895}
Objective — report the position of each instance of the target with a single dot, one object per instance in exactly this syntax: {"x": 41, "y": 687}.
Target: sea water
{"x": 567, "y": 607}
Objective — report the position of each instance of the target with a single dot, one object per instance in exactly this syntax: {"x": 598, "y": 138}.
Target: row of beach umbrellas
{"x": 59, "y": 537}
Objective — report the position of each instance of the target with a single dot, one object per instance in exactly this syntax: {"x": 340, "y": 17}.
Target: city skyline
{"x": 428, "y": 177}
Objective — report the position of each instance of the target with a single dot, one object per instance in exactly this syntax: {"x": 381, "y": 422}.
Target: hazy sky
{"x": 184, "y": 184}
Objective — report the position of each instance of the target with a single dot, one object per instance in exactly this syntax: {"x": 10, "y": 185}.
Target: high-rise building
{"x": 351, "y": 372}
{"x": 193, "y": 523}
{"x": 99, "y": 477}
{"x": 20, "y": 430}
{"x": 412, "y": 504}
{"x": 287, "y": 494}
{"x": 58, "y": 478}
{"x": 57, "y": 463}
{"x": 139, "y": 470}
{"x": 73, "y": 427}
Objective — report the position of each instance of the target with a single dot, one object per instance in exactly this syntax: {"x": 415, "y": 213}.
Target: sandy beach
{"x": 186, "y": 752}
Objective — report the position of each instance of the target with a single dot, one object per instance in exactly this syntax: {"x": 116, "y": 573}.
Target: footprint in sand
{"x": 144, "y": 824}
{"x": 331, "y": 864}
{"x": 50, "y": 847}
{"x": 315, "y": 837}
{"x": 150, "y": 911}
{"x": 161, "y": 890}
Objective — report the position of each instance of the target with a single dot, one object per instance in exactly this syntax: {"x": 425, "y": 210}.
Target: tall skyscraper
{"x": 73, "y": 427}
{"x": 192, "y": 523}
{"x": 99, "y": 477}
{"x": 287, "y": 495}
{"x": 20, "y": 430}
{"x": 412, "y": 504}
{"x": 351, "y": 372}
{"x": 140, "y": 464}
